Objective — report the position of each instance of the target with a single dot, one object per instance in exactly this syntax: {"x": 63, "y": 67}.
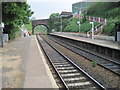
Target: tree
{"x": 54, "y": 15}
{"x": 72, "y": 26}
{"x": 109, "y": 10}
{"x": 57, "y": 26}
{"x": 15, "y": 14}
{"x": 64, "y": 23}
{"x": 54, "y": 21}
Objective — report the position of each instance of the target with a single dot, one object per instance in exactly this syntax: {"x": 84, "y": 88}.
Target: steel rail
{"x": 53, "y": 65}
{"x": 89, "y": 51}
{"x": 88, "y": 58}
{"x": 75, "y": 66}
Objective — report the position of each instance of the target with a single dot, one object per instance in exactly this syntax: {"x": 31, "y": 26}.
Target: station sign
{"x": 1, "y": 25}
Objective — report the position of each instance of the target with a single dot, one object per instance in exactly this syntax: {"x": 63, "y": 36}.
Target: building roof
{"x": 66, "y": 13}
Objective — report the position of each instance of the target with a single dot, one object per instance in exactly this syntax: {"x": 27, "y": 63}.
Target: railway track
{"x": 71, "y": 75}
{"x": 106, "y": 63}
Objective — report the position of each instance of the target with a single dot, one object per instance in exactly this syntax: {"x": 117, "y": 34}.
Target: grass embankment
{"x": 74, "y": 27}
{"x": 29, "y": 26}
{"x": 86, "y": 26}
{"x": 108, "y": 10}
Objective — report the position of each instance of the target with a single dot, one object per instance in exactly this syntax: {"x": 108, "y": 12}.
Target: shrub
{"x": 73, "y": 27}
{"x": 109, "y": 29}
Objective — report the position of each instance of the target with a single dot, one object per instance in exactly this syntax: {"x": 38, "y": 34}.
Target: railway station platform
{"x": 104, "y": 48}
{"x": 104, "y": 43}
{"x": 24, "y": 65}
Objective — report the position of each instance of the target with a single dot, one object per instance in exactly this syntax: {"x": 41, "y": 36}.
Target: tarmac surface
{"x": 24, "y": 66}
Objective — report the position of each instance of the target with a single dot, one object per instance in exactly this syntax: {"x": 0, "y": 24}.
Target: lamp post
{"x": 61, "y": 23}
{"x": 1, "y": 27}
{"x": 78, "y": 22}
{"x": 86, "y": 8}
{"x": 80, "y": 12}
{"x": 92, "y": 29}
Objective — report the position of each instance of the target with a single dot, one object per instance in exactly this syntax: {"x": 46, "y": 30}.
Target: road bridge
{"x": 46, "y": 22}
{"x": 40, "y": 22}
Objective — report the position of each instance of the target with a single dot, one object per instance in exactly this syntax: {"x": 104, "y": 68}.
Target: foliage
{"x": 83, "y": 20}
{"x": 73, "y": 27}
{"x": 64, "y": 23}
{"x": 54, "y": 15}
{"x": 104, "y": 9}
{"x": 41, "y": 29}
{"x": 29, "y": 26}
{"x": 110, "y": 10}
{"x": 113, "y": 13}
{"x": 15, "y": 14}
{"x": 57, "y": 26}
{"x": 86, "y": 26}
{"x": 109, "y": 29}
{"x": 54, "y": 21}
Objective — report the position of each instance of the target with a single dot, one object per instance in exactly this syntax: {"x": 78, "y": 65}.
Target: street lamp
{"x": 61, "y": 22}
{"x": 60, "y": 19}
{"x": 78, "y": 22}
{"x": 1, "y": 27}
{"x": 86, "y": 8}
{"x": 92, "y": 29}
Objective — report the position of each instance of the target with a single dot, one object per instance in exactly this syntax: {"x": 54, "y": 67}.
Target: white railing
{"x": 95, "y": 29}
{"x": 90, "y": 18}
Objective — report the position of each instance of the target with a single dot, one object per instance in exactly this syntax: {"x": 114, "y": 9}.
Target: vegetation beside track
{"x": 14, "y": 15}
{"x": 110, "y": 11}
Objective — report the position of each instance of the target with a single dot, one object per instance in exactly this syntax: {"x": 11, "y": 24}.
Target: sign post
{"x": 117, "y": 34}
{"x": 78, "y": 22}
{"x": 61, "y": 23}
{"x": 1, "y": 30}
{"x": 92, "y": 29}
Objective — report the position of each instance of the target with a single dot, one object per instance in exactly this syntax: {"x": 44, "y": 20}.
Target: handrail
{"x": 95, "y": 28}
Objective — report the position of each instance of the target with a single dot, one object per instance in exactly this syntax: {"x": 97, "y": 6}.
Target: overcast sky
{"x": 43, "y": 8}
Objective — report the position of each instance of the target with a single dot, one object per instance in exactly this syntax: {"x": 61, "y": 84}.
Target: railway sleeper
{"x": 85, "y": 84}
{"x": 70, "y": 74}
{"x": 60, "y": 63}
{"x": 76, "y": 80}
{"x": 68, "y": 71}
{"x": 65, "y": 68}
{"x": 63, "y": 65}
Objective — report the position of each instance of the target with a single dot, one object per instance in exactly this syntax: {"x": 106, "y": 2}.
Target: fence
{"x": 90, "y": 18}
{"x": 97, "y": 19}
